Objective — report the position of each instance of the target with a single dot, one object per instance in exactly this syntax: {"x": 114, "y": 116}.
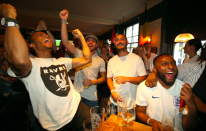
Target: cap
{"x": 92, "y": 36}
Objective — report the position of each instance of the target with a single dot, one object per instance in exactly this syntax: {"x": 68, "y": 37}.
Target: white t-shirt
{"x": 91, "y": 71}
{"x": 149, "y": 62}
{"x": 130, "y": 65}
{"x": 53, "y": 97}
{"x": 159, "y": 100}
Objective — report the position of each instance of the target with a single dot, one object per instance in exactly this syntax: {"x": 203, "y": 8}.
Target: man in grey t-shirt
{"x": 85, "y": 81}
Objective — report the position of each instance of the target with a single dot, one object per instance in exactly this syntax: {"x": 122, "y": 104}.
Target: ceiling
{"x": 90, "y": 16}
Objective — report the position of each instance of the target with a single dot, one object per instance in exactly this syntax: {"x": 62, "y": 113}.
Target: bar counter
{"x": 111, "y": 125}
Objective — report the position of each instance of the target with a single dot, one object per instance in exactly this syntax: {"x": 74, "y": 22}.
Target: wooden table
{"x": 111, "y": 125}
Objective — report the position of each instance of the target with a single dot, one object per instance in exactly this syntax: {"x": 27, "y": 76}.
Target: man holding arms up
{"x": 85, "y": 76}
{"x": 55, "y": 102}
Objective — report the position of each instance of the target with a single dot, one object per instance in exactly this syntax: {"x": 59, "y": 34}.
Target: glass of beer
{"x": 128, "y": 113}
{"x": 168, "y": 122}
{"x": 120, "y": 109}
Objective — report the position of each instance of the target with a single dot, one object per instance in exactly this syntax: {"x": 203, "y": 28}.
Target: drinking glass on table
{"x": 120, "y": 108}
{"x": 128, "y": 113}
{"x": 97, "y": 118}
{"x": 168, "y": 122}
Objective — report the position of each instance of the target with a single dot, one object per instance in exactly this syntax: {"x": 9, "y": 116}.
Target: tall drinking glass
{"x": 168, "y": 122}
{"x": 128, "y": 113}
{"x": 120, "y": 107}
{"x": 97, "y": 118}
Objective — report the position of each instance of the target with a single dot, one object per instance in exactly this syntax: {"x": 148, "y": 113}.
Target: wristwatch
{"x": 3, "y": 21}
{"x": 11, "y": 24}
{"x": 8, "y": 19}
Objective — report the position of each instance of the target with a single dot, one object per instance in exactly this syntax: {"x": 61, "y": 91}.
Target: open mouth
{"x": 120, "y": 45}
{"x": 170, "y": 75}
{"x": 46, "y": 41}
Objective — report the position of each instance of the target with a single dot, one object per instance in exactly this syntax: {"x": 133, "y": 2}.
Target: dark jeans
{"x": 77, "y": 122}
{"x": 89, "y": 102}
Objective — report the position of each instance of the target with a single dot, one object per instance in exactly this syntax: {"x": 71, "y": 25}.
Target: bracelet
{"x": 64, "y": 21}
{"x": 148, "y": 121}
{"x": 8, "y": 19}
{"x": 11, "y": 24}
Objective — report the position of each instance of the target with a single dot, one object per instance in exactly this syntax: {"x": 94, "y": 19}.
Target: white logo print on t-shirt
{"x": 55, "y": 78}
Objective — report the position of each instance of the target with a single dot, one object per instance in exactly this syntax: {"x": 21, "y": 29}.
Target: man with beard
{"x": 125, "y": 71}
{"x": 85, "y": 81}
{"x": 165, "y": 97}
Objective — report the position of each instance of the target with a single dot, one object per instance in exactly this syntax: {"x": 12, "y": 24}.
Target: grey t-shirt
{"x": 91, "y": 71}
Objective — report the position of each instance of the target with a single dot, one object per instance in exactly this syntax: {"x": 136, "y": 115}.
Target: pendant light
{"x": 184, "y": 37}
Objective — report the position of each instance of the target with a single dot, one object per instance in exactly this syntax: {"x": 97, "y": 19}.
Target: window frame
{"x": 129, "y": 46}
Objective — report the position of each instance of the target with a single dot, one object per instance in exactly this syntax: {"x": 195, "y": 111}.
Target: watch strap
{"x": 12, "y": 24}
{"x": 8, "y": 19}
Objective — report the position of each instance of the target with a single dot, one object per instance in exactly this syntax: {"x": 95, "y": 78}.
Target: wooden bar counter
{"x": 111, "y": 125}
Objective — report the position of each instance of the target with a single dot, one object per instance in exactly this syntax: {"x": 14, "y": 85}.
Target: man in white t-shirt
{"x": 125, "y": 71}
{"x": 149, "y": 57}
{"x": 86, "y": 77}
{"x": 165, "y": 97}
{"x": 56, "y": 104}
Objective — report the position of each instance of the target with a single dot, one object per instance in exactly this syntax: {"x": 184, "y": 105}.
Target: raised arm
{"x": 14, "y": 44}
{"x": 42, "y": 26}
{"x": 78, "y": 62}
{"x": 64, "y": 14}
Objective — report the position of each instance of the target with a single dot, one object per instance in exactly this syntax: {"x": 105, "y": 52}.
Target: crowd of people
{"x": 63, "y": 84}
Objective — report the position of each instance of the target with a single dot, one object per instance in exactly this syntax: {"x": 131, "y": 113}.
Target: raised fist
{"x": 77, "y": 33}
{"x": 64, "y": 14}
{"x": 8, "y": 10}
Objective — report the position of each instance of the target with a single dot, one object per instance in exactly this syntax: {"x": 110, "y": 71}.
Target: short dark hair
{"x": 155, "y": 59}
{"x": 31, "y": 34}
{"x": 121, "y": 34}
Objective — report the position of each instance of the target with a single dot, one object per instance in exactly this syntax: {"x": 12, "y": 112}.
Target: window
{"x": 132, "y": 34}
